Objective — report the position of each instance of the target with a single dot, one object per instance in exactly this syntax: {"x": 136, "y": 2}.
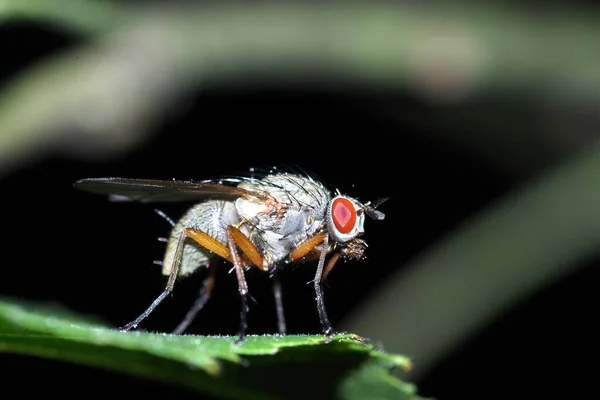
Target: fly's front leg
{"x": 302, "y": 250}
{"x": 327, "y": 328}
{"x": 199, "y": 237}
{"x": 281, "y": 328}
{"x": 320, "y": 303}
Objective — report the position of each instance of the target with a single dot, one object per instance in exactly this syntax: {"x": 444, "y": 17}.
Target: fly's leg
{"x": 236, "y": 239}
{"x": 205, "y": 293}
{"x": 242, "y": 287}
{"x": 300, "y": 251}
{"x": 307, "y": 246}
{"x": 199, "y": 237}
{"x": 330, "y": 264}
{"x": 281, "y": 328}
{"x": 327, "y": 328}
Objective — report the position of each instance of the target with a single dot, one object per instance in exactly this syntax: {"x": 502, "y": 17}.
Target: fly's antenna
{"x": 371, "y": 209}
{"x": 165, "y": 216}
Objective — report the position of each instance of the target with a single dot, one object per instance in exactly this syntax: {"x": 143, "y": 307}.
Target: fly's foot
{"x": 240, "y": 339}
{"x": 329, "y": 334}
{"x": 126, "y": 328}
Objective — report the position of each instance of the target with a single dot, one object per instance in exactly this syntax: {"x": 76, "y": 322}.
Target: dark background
{"x": 79, "y": 251}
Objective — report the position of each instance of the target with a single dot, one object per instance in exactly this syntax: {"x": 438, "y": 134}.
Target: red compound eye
{"x": 343, "y": 214}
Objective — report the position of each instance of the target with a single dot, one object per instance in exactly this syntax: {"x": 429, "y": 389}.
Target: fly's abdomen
{"x": 212, "y": 218}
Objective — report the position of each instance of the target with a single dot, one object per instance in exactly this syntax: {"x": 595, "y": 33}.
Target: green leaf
{"x": 261, "y": 367}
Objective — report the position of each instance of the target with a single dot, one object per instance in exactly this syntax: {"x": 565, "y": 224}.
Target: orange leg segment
{"x": 209, "y": 243}
{"x": 307, "y": 246}
{"x": 246, "y": 246}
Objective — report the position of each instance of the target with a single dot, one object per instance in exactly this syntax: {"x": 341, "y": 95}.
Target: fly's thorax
{"x": 296, "y": 226}
{"x": 210, "y": 217}
{"x": 291, "y": 190}
{"x": 345, "y": 218}
{"x": 277, "y": 229}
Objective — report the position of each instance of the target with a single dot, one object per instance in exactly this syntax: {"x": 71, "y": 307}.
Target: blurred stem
{"x": 440, "y": 52}
{"x": 82, "y": 16}
{"x": 527, "y": 240}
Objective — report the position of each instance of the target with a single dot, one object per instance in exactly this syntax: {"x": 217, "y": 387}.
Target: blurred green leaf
{"x": 82, "y": 16}
{"x": 261, "y": 367}
{"x": 145, "y": 56}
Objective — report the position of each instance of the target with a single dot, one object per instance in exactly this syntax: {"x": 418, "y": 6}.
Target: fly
{"x": 263, "y": 223}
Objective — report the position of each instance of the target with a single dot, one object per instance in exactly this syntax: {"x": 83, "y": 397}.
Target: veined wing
{"x": 153, "y": 190}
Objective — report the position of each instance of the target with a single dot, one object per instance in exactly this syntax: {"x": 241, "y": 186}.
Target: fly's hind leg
{"x": 203, "y": 240}
{"x": 302, "y": 250}
{"x": 204, "y": 296}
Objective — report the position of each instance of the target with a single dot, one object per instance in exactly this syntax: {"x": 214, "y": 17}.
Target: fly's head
{"x": 345, "y": 220}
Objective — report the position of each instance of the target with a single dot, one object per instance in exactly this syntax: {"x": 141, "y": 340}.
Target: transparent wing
{"x": 151, "y": 190}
